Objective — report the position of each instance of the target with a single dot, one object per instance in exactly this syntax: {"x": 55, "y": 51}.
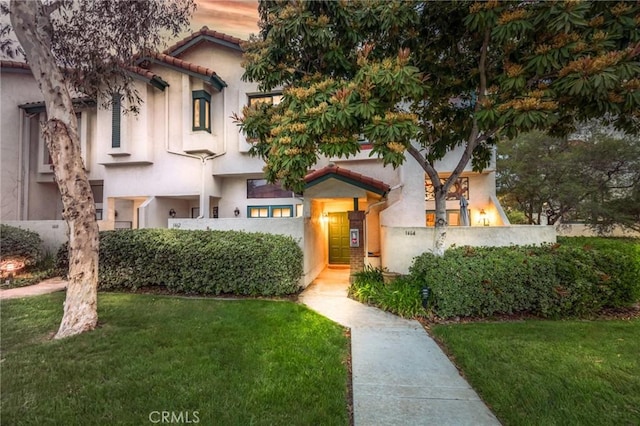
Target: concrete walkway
{"x": 48, "y": 286}
{"x": 400, "y": 375}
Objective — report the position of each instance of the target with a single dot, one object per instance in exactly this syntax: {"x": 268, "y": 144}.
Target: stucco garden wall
{"x": 401, "y": 244}
{"x": 582, "y": 230}
{"x": 52, "y": 232}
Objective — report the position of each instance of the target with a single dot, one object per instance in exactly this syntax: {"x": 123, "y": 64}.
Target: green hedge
{"x": 577, "y": 277}
{"x": 21, "y": 243}
{"x": 567, "y": 279}
{"x": 198, "y": 262}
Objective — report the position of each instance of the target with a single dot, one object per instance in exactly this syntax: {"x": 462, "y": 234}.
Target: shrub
{"x": 198, "y": 262}
{"x": 20, "y": 243}
{"x": 401, "y": 296}
{"x": 549, "y": 281}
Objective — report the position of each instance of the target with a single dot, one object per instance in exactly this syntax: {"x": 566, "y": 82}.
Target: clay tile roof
{"x": 348, "y": 176}
{"x": 14, "y": 65}
{"x": 198, "y": 69}
{"x": 141, "y": 72}
{"x": 201, "y": 35}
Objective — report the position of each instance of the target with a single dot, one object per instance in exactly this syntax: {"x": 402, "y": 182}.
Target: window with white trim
{"x": 265, "y": 98}
{"x": 116, "y": 120}
{"x": 270, "y": 211}
{"x": 201, "y": 111}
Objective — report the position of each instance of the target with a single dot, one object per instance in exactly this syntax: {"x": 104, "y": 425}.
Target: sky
{"x": 238, "y": 18}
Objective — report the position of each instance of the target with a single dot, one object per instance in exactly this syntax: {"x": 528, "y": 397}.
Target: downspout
{"x": 203, "y": 159}
{"x": 20, "y": 180}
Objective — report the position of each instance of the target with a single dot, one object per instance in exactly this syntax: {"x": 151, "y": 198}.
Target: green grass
{"x": 245, "y": 362}
{"x": 552, "y": 372}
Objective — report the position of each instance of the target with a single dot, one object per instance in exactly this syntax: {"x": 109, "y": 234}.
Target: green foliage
{"x": 594, "y": 180}
{"x": 20, "y": 243}
{"x": 401, "y": 296}
{"x": 549, "y": 281}
{"x": 198, "y": 262}
{"x": 437, "y": 74}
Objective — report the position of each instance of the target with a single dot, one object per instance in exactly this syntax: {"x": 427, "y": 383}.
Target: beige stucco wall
{"x": 53, "y": 233}
{"x": 400, "y": 245}
{"x": 581, "y": 230}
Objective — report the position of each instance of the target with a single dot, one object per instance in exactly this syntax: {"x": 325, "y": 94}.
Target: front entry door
{"x": 338, "y": 238}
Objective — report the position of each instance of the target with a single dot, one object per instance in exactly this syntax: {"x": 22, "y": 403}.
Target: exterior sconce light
{"x": 172, "y": 213}
{"x": 483, "y": 217}
{"x": 236, "y": 212}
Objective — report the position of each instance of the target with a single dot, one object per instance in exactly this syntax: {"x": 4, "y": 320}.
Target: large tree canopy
{"x": 593, "y": 177}
{"x": 426, "y": 77}
{"x": 90, "y": 47}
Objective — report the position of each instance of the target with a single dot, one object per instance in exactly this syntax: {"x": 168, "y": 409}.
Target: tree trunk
{"x": 30, "y": 21}
{"x": 441, "y": 221}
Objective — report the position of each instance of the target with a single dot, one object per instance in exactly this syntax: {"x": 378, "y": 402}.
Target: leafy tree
{"x": 594, "y": 178}
{"x": 424, "y": 78}
{"x": 89, "y": 47}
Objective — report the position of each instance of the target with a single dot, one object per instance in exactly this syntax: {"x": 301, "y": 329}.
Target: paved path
{"x": 400, "y": 375}
{"x": 48, "y": 286}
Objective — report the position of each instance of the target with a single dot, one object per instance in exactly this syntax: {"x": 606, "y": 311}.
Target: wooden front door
{"x": 338, "y": 238}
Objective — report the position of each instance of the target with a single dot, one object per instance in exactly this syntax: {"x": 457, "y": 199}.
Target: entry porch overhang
{"x": 329, "y": 182}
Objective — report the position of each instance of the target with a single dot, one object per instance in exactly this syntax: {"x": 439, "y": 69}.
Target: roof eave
{"x": 188, "y": 45}
{"x": 379, "y": 191}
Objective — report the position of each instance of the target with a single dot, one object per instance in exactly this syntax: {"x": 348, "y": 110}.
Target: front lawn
{"x": 551, "y": 372}
{"x": 218, "y": 362}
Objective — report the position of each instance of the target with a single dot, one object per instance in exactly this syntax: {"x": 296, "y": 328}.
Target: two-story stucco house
{"x": 182, "y": 162}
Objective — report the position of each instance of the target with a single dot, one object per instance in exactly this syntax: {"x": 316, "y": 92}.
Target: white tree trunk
{"x": 30, "y": 21}
{"x": 440, "y": 234}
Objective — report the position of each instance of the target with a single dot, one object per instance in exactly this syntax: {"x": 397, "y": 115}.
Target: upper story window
{"x": 265, "y": 98}
{"x": 260, "y": 188}
{"x": 201, "y": 110}
{"x": 459, "y": 189}
{"x": 116, "y": 120}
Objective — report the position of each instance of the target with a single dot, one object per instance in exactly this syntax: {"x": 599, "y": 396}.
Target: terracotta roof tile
{"x": 15, "y": 65}
{"x": 380, "y": 186}
{"x": 204, "y": 31}
{"x": 170, "y": 60}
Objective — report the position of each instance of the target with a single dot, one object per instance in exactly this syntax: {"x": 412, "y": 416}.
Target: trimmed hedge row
{"x": 550, "y": 281}
{"x": 21, "y": 243}
{"x": 578, "y": 277}
{"x": 198, "y": 262}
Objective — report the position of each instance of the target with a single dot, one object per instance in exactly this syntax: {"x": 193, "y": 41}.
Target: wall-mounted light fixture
{"x": 236, "y": 212}
{"x": 484, "y": 218}
{"x": 172, "y": 213}
{"x": 325, "y": 217}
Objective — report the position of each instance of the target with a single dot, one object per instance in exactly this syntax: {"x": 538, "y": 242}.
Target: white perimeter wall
{"x": 400, "y": 245}
{"x": 581, "y": 230}
{"x": 53, "y": 232}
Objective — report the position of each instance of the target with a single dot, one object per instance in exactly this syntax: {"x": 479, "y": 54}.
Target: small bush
{"x": 198, "y": 262}
{"x": 20, "y": 243}
{"x": 401, "y": 296}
